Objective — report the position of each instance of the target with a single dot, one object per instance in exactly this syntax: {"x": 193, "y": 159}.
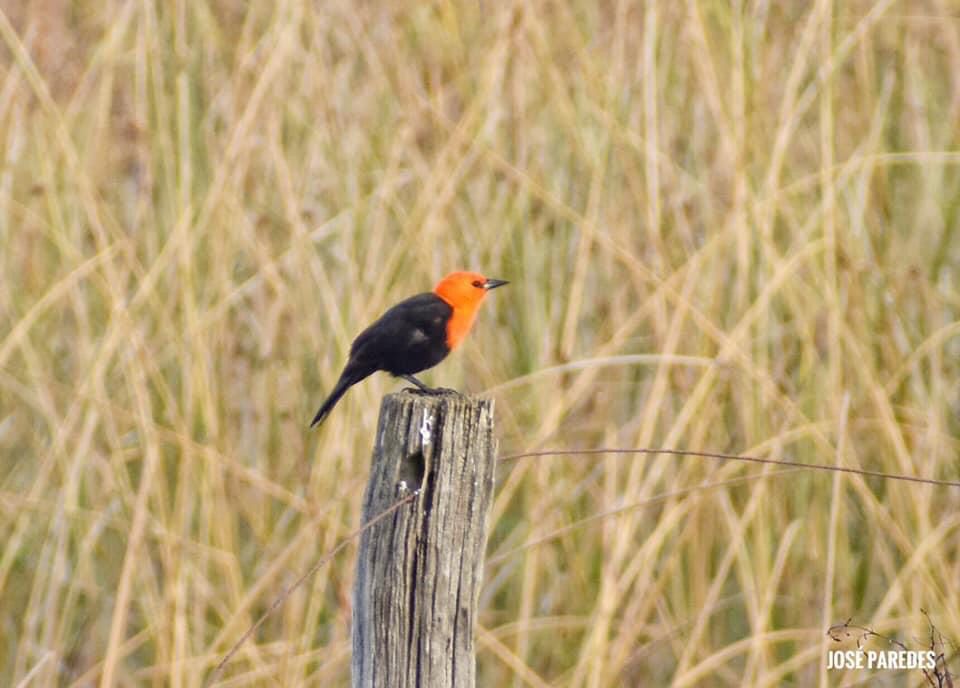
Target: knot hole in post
{"x": 410, "y": 475}
{"x": 413, "y": 468}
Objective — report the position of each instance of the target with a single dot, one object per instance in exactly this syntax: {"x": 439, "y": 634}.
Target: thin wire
{"x": 656, "y": 499}
{"x": 560, "y": 452}
{"x": 733, "y": 457}
{"x": 282, "y": 597}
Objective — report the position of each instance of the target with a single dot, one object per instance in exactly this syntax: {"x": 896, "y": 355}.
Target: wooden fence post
{"x": 419, "y": 569}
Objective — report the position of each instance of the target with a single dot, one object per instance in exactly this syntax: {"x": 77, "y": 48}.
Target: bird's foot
{"x": 431, "y": 391}
{"x": 423, "y": 389}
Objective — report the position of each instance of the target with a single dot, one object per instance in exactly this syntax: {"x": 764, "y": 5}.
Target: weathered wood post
{"x": 419, "y": 569}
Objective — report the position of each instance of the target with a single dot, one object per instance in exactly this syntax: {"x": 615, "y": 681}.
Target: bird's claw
{"x": 447, "y": 390}
{"x": 432, "y": 391}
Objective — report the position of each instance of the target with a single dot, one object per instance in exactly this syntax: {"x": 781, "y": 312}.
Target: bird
{"x": 414, "y": 335}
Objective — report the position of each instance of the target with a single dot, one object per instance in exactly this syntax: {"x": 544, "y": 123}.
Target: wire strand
{"x": 282, "y": 597}
{"x": 731, "y": 457}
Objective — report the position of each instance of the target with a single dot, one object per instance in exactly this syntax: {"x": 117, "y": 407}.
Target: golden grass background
{"x": 728, "y": 227}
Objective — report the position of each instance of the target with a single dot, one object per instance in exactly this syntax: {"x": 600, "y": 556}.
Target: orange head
{"x": 464, "y": 291}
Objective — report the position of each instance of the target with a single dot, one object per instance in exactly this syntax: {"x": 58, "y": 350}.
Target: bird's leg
{"x": 422, "y": 388}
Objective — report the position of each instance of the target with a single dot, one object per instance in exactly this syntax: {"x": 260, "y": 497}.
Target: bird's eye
{"x": 478, "y": 284}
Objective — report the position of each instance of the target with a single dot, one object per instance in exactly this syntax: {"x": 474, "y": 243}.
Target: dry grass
{"x": 728, "y": 228}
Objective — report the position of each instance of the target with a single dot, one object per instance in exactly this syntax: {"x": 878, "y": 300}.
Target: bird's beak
{"x": 494, "y": 283}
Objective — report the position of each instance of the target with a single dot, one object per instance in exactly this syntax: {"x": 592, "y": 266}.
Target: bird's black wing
{"x": 410, "y": 337}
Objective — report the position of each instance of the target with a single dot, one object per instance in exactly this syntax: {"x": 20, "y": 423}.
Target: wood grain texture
{"x": 419, "y": 570}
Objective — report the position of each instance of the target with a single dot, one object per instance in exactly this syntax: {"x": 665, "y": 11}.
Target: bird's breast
{"x": 459, "y": 325}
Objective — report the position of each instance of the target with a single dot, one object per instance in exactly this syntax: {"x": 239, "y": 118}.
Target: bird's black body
{"x": 408, "y": 338}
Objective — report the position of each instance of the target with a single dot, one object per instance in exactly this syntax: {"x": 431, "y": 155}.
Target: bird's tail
{"x": 346, "y": 381}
